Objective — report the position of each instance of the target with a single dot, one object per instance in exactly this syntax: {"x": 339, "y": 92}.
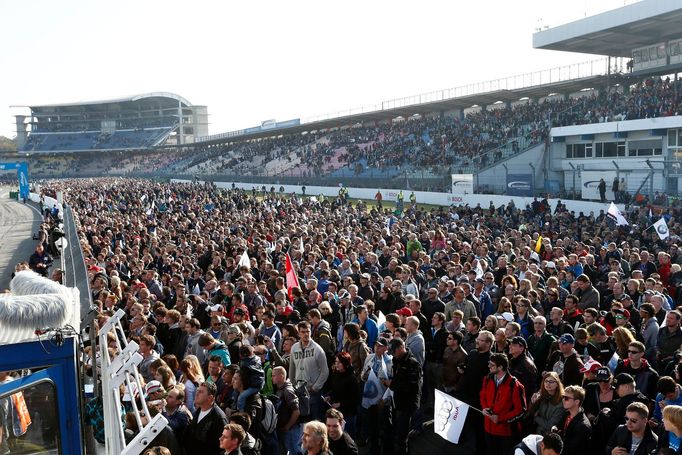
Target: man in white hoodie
{"x": 534, "y": 444}
{"x": 309, "y": 364}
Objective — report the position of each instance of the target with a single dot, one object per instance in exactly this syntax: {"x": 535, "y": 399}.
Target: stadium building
{"x": 138, "y": 122}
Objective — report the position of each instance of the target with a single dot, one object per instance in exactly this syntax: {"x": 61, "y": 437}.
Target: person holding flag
{"x": 377, "y": 370}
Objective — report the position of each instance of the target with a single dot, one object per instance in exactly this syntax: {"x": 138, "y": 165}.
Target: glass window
{"x": 679, "y": 138}
{"x": 661, "y": 51}
{"x": 621, "y": 149}
{"x": 588, "y": 150}
{"x": 569, "y": 150}
{"x": 29, "y": 420}
{"x": 672, "y": 138}
{"x": 652, "y": 53}
{"x": 599, "y": 149}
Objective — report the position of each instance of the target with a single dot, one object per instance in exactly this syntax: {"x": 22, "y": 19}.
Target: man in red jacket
{"x": 504, "y": 404}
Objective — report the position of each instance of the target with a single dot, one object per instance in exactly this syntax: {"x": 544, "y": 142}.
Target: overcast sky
{"x": 253, "y": 61}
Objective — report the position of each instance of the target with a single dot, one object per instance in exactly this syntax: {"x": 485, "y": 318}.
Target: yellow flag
{"x": 538, "y": 244}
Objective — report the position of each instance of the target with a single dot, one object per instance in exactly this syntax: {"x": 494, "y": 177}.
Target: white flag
{"x": 613, "y": 363}
{"x": 449, "y": 416}
{"x": 478, "y": 269}
{"x": 244, "y": 261}
{"x": 373, "y": 390}
{"x": 617, "y": 215}
{"x": 381, "y": 321}
{"x": 662, "y": 229}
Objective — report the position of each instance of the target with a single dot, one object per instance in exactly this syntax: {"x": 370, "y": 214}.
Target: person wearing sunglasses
{"x": 635, "y": 436}
{"x": 637, "y": 366}
{"x": 575, "y": 428}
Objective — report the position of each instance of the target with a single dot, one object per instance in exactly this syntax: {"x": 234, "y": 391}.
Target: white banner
{"x": 449, "y": 416}
{"x": 462, "y": 183}
{"x": 590, "y": 184}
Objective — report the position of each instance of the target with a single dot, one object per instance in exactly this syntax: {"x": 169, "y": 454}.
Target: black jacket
{"x": 523, "y": 369}
{"x": 577, "y": 434}
{"x": 344, "y": 446}
{"x": 435, "y": 346}
{"x": 203, "y": 437}
{"x": 476, "y": 369}
{"x": 406, "y": 383}
{"x": 623, "y": 438}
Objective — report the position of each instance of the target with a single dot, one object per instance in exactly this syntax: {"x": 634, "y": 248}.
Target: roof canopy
{"x": 615, "y": 33}
{"x": 146, "y": 100}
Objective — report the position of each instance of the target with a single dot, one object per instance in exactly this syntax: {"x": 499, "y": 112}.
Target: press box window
{"x": 645, "y": 148}
{"x": 578, "y": 150}
{"x": 609, "y": 149}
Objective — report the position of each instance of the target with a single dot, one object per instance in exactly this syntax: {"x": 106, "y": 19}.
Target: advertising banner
{"x": 462, "y": 183}
{"x": 590, "y": 184}
{"x": 520, "y": 185}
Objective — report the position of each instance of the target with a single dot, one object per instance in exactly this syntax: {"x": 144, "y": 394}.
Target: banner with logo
{"x": 520, "y": 185}
{"x": 462, "y": 183}
{"x": 23, "y": 180}
{"x": 590, "y": 184}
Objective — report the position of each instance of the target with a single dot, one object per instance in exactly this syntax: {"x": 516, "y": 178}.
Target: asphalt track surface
{"x": 18, "y": 222}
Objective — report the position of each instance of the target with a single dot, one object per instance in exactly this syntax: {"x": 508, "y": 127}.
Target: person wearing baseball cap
{"x": 375, "y": 362}
{"x": 626, "y": 388}
{"x": 404, "y": 313}
{"x": 565, "y": 361}
{"x": 599, "y": 393}
{"x": 522, "y": 367}
{"x": 589, "y": 369}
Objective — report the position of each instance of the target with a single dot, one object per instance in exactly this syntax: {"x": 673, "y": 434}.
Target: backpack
{"x": 271, "y": 405}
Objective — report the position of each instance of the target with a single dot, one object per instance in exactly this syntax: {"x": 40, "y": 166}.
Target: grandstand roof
{"x": 617, "y": 32}
{"x": 154, "y": 99}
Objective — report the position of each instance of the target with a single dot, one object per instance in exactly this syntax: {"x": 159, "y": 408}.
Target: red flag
{"x": 292, "y": 279}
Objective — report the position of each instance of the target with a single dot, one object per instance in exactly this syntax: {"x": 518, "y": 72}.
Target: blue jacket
{"x": 372, "y": 331}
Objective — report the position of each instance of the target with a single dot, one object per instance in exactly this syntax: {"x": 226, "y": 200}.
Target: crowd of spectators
{"x": 559, "y": 329}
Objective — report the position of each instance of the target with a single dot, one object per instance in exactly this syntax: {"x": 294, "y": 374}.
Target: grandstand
{"x": 134, "y": 123}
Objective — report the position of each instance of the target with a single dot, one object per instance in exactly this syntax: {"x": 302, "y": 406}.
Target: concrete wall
{"x": 495, "y": 178}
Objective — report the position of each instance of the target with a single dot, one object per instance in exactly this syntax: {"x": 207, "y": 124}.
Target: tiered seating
{"x": 89, "y": 140}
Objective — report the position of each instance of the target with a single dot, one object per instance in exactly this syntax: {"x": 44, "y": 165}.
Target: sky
{"x": 254, "y": 61}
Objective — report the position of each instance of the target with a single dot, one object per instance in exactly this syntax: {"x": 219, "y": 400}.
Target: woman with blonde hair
{"x": 191, "y": 377}
{"x": 546, "y": 408}
{"x": 672, "y": 422}
{"x": 505, "y": 306}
